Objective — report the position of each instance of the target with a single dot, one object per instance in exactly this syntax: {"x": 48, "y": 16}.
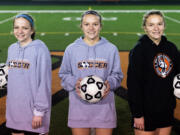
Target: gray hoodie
{"x": 81, "y": 60}
{"x": 29, "y": 86}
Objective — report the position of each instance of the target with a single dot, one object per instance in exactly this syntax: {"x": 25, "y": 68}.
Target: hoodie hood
{"x": 21, "y": 49}
{"x": 20, "y": 55}
{"x": 90, "y": 53}
{"x": 146, "y": 39}
{"x": 81, "y": 42}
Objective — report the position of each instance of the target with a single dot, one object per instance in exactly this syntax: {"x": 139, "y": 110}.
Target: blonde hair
{"x": 92, "y": 12}
{"x": 149, "y": 13}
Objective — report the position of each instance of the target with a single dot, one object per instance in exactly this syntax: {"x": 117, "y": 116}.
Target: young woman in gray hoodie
{"x": 29, "y": 81}
{"x": 104, "y": 61}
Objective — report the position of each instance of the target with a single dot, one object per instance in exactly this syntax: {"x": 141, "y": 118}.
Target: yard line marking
{"x": 66, "y": 34}
{"x": 139, "y": 34}
{"x": 79, "y": 18}
{"x": 67, "y": 19}
{"x": 172, "y": 19}
{"x": 81, "y": 11}
{"x": 8, "y": 19}
{"x": 42, "y": 34}
{"x": 109, "y": 18}
{"x": 115, "y": 34}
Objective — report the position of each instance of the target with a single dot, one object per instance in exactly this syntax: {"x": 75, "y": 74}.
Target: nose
{"x": 156, "y": 27}
{"x": 20, "y": 30}
{"x": 91, "y": 27}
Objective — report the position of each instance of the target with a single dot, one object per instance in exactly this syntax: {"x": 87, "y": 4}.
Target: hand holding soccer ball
{"x": 107, "y": 88}
{"x": 78, "y": 87}
{"x": 176, "y": 85}
{"x": 3, "y": 75}
{"x": 92, "y": 88}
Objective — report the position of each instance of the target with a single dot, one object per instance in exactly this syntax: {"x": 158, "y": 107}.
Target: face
{"x": 91, "y": 27}
{"x": 22, "y": 30}
{"x": 154, "y": 27}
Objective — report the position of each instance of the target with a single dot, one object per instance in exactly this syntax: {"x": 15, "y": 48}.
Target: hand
{"x": 37, "y": 122}
{"x": 107, "y": 88}
{"x": 139, "y": 123}
{"x": 78, "y": 87}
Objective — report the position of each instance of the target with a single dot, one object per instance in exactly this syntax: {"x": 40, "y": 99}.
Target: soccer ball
{"x": 3, "y": 75}
{"x": 92, "y": 89}
{"x": 176, "y": 85}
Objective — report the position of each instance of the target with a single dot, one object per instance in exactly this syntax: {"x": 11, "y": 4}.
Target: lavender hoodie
{"x": 81, "y": 60}
{"x": 29, "y": 86}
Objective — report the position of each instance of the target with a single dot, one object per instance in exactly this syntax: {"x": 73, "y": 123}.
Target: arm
{"x": 177, "y": 59}
{"x": 135, "y": 82}
{"x": 7, "y": 60}
{"x": 42, "y": 100}
{"x": 116, "y": 74}
{"x": 139, "y": 123}
{"x": 8, "y": 56}
{"x": 68, "y": 81}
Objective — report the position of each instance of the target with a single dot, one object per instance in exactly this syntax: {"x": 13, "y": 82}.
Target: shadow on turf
{"x": 3, "y": 92}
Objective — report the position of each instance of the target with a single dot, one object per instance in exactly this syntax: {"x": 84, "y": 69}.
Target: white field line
{"x": 79, "y": 18}
{"x": 172, "y": 19}
{"x": 139, "y": 34}
{"x": 8, "y": 19}
{"x": 81, "y": 11}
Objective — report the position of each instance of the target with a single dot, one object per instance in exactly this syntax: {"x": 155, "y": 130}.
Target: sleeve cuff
{"x": 137, "y": 115}
{"x": 37, "y": 113}
{"x": 111, "y": 84}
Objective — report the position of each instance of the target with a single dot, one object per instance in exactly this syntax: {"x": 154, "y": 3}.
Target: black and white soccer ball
{"x": 92, "y": 89}
{"x": 176, "y": 85}
{"x": 3, "y": 75}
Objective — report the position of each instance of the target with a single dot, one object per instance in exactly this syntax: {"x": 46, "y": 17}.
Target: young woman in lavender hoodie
{"x": 105, "y": 56}
{"x": 29, "y": 81}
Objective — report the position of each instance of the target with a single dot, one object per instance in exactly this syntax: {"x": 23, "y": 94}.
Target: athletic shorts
{"x": 25, "y": 132}
{"x": 153, "y": 121}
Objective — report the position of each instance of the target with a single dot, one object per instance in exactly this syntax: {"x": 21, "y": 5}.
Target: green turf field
{"x": 58, "y": 26}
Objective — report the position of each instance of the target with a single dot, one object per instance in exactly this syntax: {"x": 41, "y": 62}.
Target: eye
{"x": 26, "y": 28}
{"x": 150, "y": 24}
{"x": 85, "y": 24}
{"x": 16, "y": 27}
{"x": 96, "y": 24}
{"x": 160, "y": 24}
